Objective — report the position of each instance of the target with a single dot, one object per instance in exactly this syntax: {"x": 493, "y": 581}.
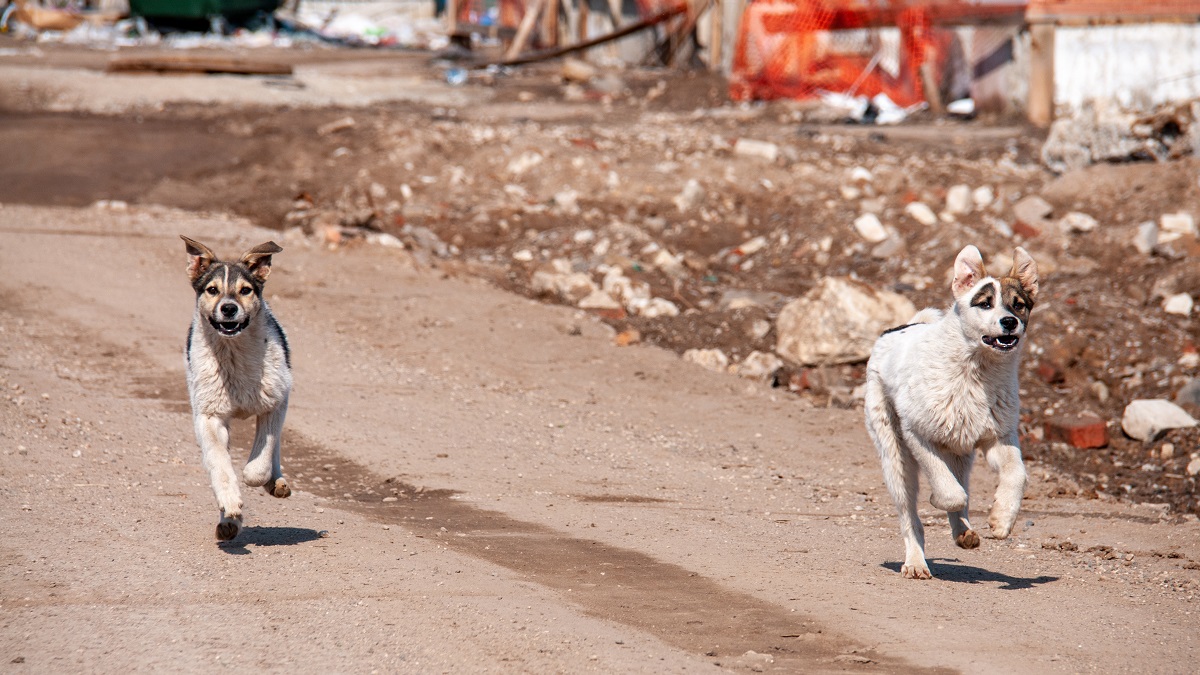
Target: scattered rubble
{"x": 1147, "y": 419}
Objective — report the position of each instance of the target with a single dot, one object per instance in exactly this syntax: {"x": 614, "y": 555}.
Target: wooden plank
{"x": 524, "y": 30}
{"x": 1040, "y": 108}
{"x": 187, "y": 63}
{"x": 614, "y": 8}
{"x": 716, "y": 35}
{"x": 626, "y": 30}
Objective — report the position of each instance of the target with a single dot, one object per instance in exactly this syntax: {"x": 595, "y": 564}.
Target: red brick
{"x": 1050, "y": 372}
{"x": 1024, "y": 229}
{"x": 1084, "y": 431}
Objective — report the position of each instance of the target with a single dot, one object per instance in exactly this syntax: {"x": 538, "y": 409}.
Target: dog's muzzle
{"x": 1002, "y": 343}
{"x": 228, "y": 328}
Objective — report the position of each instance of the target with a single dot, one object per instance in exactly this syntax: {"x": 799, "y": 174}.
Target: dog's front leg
{"x": 265, "y": 466}
{"x": 212, "y": 433}
{"x": 1005, "y": 458}
{"x": 945, "y": 492}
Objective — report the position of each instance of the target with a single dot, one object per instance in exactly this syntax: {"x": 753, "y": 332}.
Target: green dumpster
{"x": 200, "y": 9}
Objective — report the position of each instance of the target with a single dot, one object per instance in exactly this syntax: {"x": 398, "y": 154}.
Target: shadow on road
{"x": 268, "y": 536}
{"x": 969, "y": 574}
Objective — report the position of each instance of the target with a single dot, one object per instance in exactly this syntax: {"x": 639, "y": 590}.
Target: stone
{"x": 1179, "y": 304}
{"x": 1146, "y": 238}
{"x": 669, "y": 263}
{"x": 1033, "y": 212}
{"x": 1193, "y": 467}
{"x": 1083, "y": 432}
{"x": 567, "y": 201}
{"x": 958, "y": 200}
{"x": 868, "y": 227}
{"x": 691, "y": 196}
{"x": 599, "y": 300}
{"x": 920, "y": 212}
{"x": 983, "y": 196}
{"x": 629, "y": 336}
{"x": 758, "y": 366}
{"x": 837, "y": 322}
{"x": 524, "y": 255}
{"x": 1078, "y": 222}
{"x": 887, "y": 248}
{"x": 335, "y": 126}
{"x": 1189, "y": 393}
{"x": 1147, "y": 419}
{"x": 1178, "y": 223}
{"x": 575, "y": 70}
{"x": 748, "y": 147}
{"x": 524, "y": 163}
{"x": 654, "y": 308}
{"x": 709, "y": 359}
{"x": 861, "y": 175}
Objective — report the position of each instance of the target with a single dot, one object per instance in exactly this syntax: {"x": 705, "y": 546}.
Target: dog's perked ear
{"x": 258, "y": 259}
{"x": 1025, "y": 270}
{"x": 968, "y": 270}
{"x": 201, "y": 258}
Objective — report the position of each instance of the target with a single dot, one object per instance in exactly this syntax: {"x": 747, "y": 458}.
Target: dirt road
{"x": 486, "y": 484}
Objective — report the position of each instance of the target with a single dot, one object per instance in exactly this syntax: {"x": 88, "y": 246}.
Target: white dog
{"x": 238, "y": 366}
{"x": 945, "y": 385}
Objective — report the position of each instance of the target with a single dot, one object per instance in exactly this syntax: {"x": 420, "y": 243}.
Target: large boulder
{"x": 838, "y": 322}
{"x": 1147, "y": 419}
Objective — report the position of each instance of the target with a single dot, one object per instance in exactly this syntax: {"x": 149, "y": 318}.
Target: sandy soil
{"x": 484, "y": 483}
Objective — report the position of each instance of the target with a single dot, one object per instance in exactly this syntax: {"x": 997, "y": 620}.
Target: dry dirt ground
{"x": 485, "y": 483}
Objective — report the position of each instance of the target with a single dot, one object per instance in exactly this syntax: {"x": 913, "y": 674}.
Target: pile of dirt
{"x": 609, "y": 180}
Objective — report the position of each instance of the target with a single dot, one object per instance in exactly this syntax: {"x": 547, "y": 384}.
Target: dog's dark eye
{"x": 1018, "y": 305}
{"x": 984, "y": 304}
{"x": 211, "y": 290}
{"x": 246, "y": 290}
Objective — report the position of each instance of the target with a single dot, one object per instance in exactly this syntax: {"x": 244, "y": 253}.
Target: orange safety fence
{"x": 800, "y": 48}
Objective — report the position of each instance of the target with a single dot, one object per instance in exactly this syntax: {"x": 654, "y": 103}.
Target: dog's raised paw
{"x": 968, "y": 539}
{"x": 916, "y": 571}
{"x": 229, "y": 528}
{"x": 278, "y": 488}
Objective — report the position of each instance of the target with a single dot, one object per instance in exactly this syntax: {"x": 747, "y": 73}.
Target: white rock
{"x": 567, "y": 201}
{"x": 958, "y": 200}
{"x": 868, "y": 227}
{"x": 524, "y": 255}
{"x": 1078, "y": 222}
{"x": 710, "y": 359}
{"x": 1032, "y": 210}
{"x": 1147, "y": 419}
{"x": 624, "y": 289}
{"x": 1179, "y": 223}
{"x": 921, "y": 213}
{"x": 670, "y": 264}
{"x": 655, "y": 308}
{"x": 599, "y": 300}
{"x": 524, "y": 163}
{"x": 575, "y": 70}
{"x": 838, "y": 321}
{"x": 752, "y": 246}
{"x": 1193, "y": 467}
{"x": 1179, "y": 304}
{"x": 850, "y": 192}
{"x": 861, "y": 175}
{"x": 983, "y": 196}
{"x": 691, "y": 196}
{"x": 584, "y": 237}
{"x": 758, "y": 366}
{"x": 749, "y": 147}
{"x": 1146, "y": 238}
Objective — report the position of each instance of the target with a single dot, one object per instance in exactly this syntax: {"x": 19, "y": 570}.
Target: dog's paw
{"x": 229, "y": 527}
{"x": 967, "y": 539}
{"x": 278, "y": 488}
{"x": 1001, "y": 525}
{"x": 920, "y": 571}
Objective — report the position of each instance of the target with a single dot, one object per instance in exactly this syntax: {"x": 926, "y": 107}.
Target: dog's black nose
{"x": 229, "y": 309}
{"x": 1008, "y": 323}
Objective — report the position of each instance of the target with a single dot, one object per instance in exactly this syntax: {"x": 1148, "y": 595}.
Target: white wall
{"x": 1133, "y": 66}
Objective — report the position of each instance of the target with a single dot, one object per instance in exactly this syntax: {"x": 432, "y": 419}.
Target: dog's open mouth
{"x": 229, "y": 328}
{"x": 1001, "y": 343}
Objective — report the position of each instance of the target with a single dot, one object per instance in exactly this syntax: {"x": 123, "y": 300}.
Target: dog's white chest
{"x": 237, "y": 378}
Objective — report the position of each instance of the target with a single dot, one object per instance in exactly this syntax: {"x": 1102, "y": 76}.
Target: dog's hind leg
{"x": 1005, "y": 458}
{"x": 901, "y": 475}
{"x": 213, "y": 435}
{"x": 960, "y": 527}
{"x": 265, "y": 466}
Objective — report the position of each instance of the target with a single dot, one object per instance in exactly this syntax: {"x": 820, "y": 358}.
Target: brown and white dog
{"x": 238, "y": 366}
{"x": 944, "y": 386}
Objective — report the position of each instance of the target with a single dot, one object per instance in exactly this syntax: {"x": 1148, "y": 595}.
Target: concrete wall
{"x": 1132, "y": 66}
